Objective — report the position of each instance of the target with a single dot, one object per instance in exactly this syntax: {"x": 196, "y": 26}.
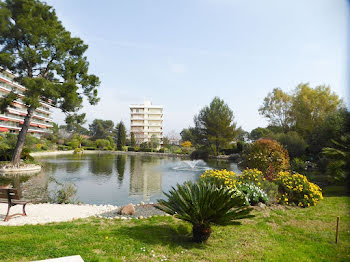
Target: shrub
{"x": 199, "y": 154}
{"x": 131, "y": 149}
{"x": 145, "y": 149}
{"x": 296, "y": 189}
{"x": 65, "y": 195}
{"x": 125, "y": 148}
{"x": 267, "y": 155}
{"x": 89, "y": 148}
{"x": 203, "y": 204}
{"x": 102, "y": 143}
{"x": 293, "y": 142}
{"x": 253, "y": 193}
{"x": 64, "y": 148}
{"x": 78, "y": 150}
{"x": 249, "y": 183}
{"x": 162, "y": 150}
{"x": 298, "y": 165}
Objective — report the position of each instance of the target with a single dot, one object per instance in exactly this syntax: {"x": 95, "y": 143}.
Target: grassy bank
{"x": 275, "y": 234}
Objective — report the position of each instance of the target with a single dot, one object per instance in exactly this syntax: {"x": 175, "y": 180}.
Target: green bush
{"x": 65, "y": 195}
{"x": 203, "y": 204}
{"x": 102, "y": 144}
{"x": 200, "y": 154}
{"x": 78, "y": 150}
{"x": 145, "y": 149}
{"x": 298, "y": 165}
{"x": 266, "y": 155}
{"x": 124, "y": 148}
{"x": 131, "y": 149}
{"x": 296, "y": 189}
{"x": 249, "y": 183}
{"x": 253, "y": 193}
{"x": 293, "y": 142}
{"x": 89, "y": 148}
{"x": 64, "y": 148}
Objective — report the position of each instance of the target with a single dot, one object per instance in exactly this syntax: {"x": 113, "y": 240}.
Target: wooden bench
{"x": 12, "y": 197}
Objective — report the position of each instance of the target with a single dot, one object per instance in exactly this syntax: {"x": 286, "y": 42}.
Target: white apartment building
{"x": 146, "y": 121}
{"x": 12, "y": 120}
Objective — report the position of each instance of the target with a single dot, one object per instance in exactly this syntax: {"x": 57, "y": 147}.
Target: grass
{"x": 275, "y": 234}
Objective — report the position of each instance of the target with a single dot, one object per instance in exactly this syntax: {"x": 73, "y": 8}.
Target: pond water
{"x": 112, "y": 178}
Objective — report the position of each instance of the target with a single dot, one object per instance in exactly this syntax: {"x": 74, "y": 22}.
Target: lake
{"x": 115, "y": 179}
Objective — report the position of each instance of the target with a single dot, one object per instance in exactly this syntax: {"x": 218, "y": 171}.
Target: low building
{"x": 12, "y": 120}
{"x": 146, "y": 122}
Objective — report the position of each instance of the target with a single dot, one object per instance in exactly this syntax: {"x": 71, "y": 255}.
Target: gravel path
{"x": 47, "y": 213}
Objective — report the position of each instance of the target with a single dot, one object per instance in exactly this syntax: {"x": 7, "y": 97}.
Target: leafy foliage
{"x": 202, "y": 204}
{"x": 293, "y": 142}
{"x": 120, "y": 132}
{"x": 214, "y": 126}
{"x": 249, "y": 183}
{"x": 266, "y": 155}
{"x": 296, "y": 189}
{"x": 253, "y": 193}
{"x": 100, "y": 129}
{"x": 277, "y": 109}
{"x": 48, "y": 61}
{"x": 338, "y": 157}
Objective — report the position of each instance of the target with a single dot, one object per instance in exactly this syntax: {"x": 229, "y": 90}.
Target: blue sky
{"x": 182, "y": 53}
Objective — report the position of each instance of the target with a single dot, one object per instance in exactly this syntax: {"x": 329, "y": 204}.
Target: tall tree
{"x": 132, "y": 140}
{"x": 100, "y": 129}
{"x": 121, "y": 135}
{"x": 215, "y": 126}
{"x": 75, "y": 121}
{"x": 48, "y": 61}
{"x": 311, "y": 106}
{"x": 277, "y": 109}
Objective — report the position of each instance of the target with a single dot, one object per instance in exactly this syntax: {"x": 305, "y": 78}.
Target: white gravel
{"x": 47, "y": 213}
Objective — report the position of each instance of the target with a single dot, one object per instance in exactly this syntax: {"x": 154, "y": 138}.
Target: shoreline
{"x": 70, "y": 152}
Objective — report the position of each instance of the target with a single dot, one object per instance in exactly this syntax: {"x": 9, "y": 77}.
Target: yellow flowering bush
{"x": 252, "y": 176}
{"x": 296, "y": 189}
{"x": 248, "y": 183}
{"x": 221, "y": 177}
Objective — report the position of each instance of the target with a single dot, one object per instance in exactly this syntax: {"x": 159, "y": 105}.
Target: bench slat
{"x": 14, "y": 194}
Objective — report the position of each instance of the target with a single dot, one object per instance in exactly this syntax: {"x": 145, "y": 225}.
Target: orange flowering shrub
{"x": 266, "y": 155}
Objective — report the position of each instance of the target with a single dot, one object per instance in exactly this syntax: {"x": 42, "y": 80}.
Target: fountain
{"x": 192, "y": 165}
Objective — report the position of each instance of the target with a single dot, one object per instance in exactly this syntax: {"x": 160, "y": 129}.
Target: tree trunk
{"x": 16, "y": 157}
{"x": 201, "y": 233}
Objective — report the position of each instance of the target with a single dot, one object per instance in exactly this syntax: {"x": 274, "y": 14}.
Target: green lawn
{"x": 275, "y": 234}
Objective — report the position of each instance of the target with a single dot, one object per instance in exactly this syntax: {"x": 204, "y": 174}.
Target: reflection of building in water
{"x": 145, "y": 180}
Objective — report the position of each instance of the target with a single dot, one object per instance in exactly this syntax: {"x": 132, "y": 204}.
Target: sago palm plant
{"x": 203, "y": 204}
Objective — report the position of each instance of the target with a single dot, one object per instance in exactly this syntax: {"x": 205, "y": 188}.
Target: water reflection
{"x": 120, "y": 166}
{"x": 30, "y": 186}
{"x": 109, "y": 178}
{"x": 145, "y": 179}
{"x": 101, "y": 164}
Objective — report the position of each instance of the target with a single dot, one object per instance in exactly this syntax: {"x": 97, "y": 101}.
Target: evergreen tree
{"x": 214, "y": 125}
{"x": 133, "y": 140}
{"x": 121, "y": 135}
{"x": 48, "y": 61}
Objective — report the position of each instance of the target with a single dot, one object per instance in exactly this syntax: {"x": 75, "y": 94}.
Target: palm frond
{"x": 205, "y": 203}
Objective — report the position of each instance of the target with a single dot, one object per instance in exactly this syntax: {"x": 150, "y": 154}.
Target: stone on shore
{"x": 128, "y": 210}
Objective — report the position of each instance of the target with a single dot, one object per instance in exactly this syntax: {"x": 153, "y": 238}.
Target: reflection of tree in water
{"x": 219, "y": 164}
{"x": 145, "y": 180}
{"x": 101, "y": 164}
{"x": 74, "y": 166}
{"x": 120, "y": 166}
{"x": 30, "y": 186}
